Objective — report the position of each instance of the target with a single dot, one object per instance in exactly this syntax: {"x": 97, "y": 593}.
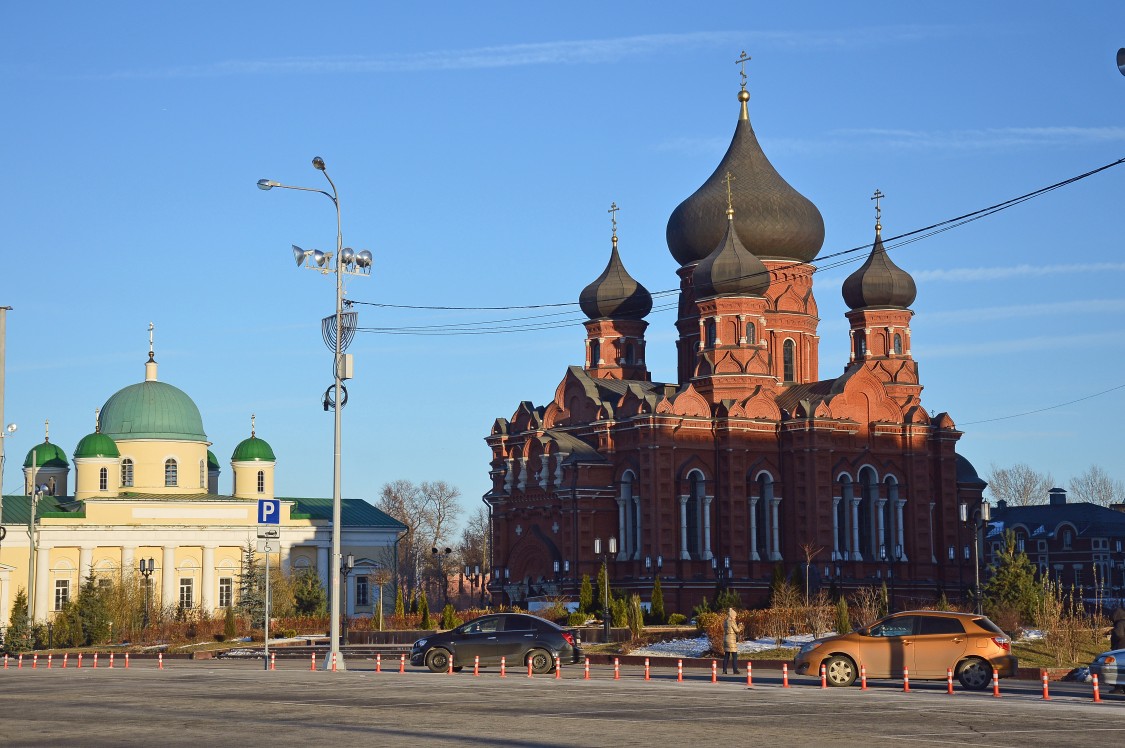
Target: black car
{"x": 517, "y": 637}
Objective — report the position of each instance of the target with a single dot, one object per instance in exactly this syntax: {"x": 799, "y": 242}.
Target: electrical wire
{"x": 1043, "y": 410}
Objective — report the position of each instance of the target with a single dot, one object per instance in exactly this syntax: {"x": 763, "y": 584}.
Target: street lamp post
{"x": 611, "y": 549}
{"x": 345, "y": 571}
{"x": 147, "y": 567}
{"x": 979, "y": 523}
{"x": 352, "y": 263}
{"x": 439, "y": 560}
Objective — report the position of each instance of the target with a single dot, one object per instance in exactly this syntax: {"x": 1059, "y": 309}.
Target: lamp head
{"x": 12, "y": 428}
{"x": 320, "y": 258}
{"x": 318, "y": 163}
{"x": 347, "y": 256}
{"x": 266, "y": 184}
{"x": 301, "y": 255}
{"x": 1121, "y": 60}
{"x": 363, "y": 259}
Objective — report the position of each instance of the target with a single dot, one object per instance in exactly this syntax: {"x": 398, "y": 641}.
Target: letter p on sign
{"x": 269, "y": 511}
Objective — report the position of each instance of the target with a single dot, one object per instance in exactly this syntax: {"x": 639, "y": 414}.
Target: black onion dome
{"x": 774, "y": 220}
{"x": 615, "y": 294}
{"x": 730, "y": 269}
{"x": 879, "y": 282}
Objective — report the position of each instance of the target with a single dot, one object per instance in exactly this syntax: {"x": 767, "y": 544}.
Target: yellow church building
{"x": 146, "y": 486}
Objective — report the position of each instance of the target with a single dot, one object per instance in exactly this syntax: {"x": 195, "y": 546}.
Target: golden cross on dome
{"x": 613, "y": 217}
{"x": 47, "y": 430}
{"x": 742, "y": 61}
{"x": 252, "y": 418}
{"x": 150, "y": 329}
{"x": 730, "y": 201}
{"x": 877, "y": 197}
{"x": 97, "y": 424}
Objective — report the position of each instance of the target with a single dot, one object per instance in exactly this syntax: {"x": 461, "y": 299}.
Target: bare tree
{"x": 402, "y": 500}
{"x": 474, "y": 548}
{"x": 1096, "y": 487}
{"x": 1019, "y": 485}
{"x": 440, "y": 510}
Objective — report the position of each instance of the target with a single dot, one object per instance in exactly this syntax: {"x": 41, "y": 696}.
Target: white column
{"x": 637, "y": 529}
{"x": 286, "y": 556}
{"x": 754, "y": 530}
{"x": 128, "y": 561}
{"x": 207, "y": 581}
{"x": 855, "y": 554}
{"x": 622, "y": 530}
{"x": 523, "y": 474}
{"x": 880, "y": 515}
{"x": 683, "y": 529}
{"x": 775, "y": 551}
{"x": 508, "y": 475}
{"x": 544, "y": 471}
{"x": 42, "y": 582}
{"x": 835, "y": 528}
{"x": 707, "y": 527}
{"x": 85, "y": 562}
{"x": 168, "y": 577}
{"x": 322, "y": 569}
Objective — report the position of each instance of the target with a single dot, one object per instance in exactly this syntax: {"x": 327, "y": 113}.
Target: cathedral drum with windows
{"x": 749, "y": 463}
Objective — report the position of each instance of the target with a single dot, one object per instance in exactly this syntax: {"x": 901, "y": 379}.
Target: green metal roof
{"x": 151, "y": 410}
{"x": 353, "y": 512}
{"x": 212, "y": 461}
{"x": 17, "y": 509}
{"x": 253, "y": 449}
{"x": 96, "y": 445}
{"x": 46, "y": 455}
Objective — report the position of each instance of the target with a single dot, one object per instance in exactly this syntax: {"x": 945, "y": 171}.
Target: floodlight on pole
{"x": 1121, "y": 60}
{"x": 337, "y": 400}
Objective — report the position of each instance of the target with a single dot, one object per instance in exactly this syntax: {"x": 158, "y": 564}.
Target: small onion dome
{"x": 615, "y": 294}
{"x": 46, "y": 455}
{"x": 212, "y": 462}
{"x": 96, "y": 445}
{"x": 253, "y": 449}
{"x": 775, "y": 222}
{"x": 731, "y": 269}
{"x": 879, "y": 282}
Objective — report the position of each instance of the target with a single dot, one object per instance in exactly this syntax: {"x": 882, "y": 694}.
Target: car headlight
{"x": 419, "y": 644}
{"x": 806, "y": 648}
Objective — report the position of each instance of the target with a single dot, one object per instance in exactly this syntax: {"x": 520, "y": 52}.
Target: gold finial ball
{"x": 744, "y": 96}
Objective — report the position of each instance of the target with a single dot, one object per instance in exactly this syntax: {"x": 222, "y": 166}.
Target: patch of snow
{"x": 1031, "y": 635}
{"x": 698, "y": 646}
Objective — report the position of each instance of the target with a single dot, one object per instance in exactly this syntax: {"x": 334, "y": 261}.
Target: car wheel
{"x": 438, "y": 660}
{"x": 840, "y": 670}
{"x": 540, "y": 660}
{"x": 974, "y": 674}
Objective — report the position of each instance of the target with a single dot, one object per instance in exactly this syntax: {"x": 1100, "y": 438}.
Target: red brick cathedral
{"x": 749, "y": 461}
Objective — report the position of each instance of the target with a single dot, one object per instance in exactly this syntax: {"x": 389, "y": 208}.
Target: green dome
{"x": 151, "y": 410}
{"x": 212, "y": 462}
{"x": 253, "y": 449}
{"x": 46, "y": 455}
{"x": 96, "y": 445}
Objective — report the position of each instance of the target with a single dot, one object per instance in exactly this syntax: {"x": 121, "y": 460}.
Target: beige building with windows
{"x": 146, "y": 486}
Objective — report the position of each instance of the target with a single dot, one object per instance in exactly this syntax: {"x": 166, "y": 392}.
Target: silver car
{"x": 1109, "y": 667}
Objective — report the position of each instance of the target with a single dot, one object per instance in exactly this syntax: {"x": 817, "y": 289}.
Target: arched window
{"x": 127, "y": 473}
{"x": 630, "y": 354}
{"x": 788, "y": 361}
{"x": 869, "y": 491}
{"x": 762, "y": 513}
{"x": 696, "y": 488}
{"x": 712, "y": 332}
{"x": 843, "y": 512}
{"x": 103, "y": 479}
{"x": 203, "y": 473}
{"x": 751, "y": 333}
{"x": 860, "y": 344}
{"x": 898, "y": 344}
{"x": 261, "y": 481}
{"x": 595, "y": 352}
{"x": 631, "y": 539}
{"x": 170, "y": 476}
{"x": 890, "y": 519}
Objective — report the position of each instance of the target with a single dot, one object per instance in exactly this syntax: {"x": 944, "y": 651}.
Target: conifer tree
{"x": 843, "y": 621}
{"x": 656, "y": 604}
{"x": 424, "y": 609}
{"x": 400, "y": 608}
{"x": 93, "y": 612}
{"x": 586, "y": 595}
{"x": 18, "y": 636}
{"x": 251, "y": 588}
{"x": 1011, "y": 586}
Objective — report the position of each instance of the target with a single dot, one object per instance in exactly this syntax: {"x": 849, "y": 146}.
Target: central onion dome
{"x": 151, "y": 410}
{"x": 615, "y": 294}
{"x": 775, "y": 222}
{"x": 879, "y": 282}
{"x": 731, "y": 269}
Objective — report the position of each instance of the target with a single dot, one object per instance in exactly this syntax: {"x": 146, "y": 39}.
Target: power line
{"x": 1042, "y": 410}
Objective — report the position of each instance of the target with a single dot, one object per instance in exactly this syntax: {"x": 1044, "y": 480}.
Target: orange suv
{"x": 925, "y": 641}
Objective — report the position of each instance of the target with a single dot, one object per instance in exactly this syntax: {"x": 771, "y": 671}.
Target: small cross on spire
{"x": 150, "y": 352}
{"x": 47, "y": 430}
{"x": 877, "y": 197}
{"x": 742, "y": 61}
{"x": 730, "y": 200}
{"x": 252, "y": 419}
{"x": 613, "y": 218}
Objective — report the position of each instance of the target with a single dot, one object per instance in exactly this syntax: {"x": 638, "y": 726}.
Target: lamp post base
{"x": 340, "y": 667}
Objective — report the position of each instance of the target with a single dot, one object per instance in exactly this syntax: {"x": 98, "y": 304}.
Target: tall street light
{"x": 610, "y": 550}
{"x": 979, "y": 523}
{"x": 353, "y": 263}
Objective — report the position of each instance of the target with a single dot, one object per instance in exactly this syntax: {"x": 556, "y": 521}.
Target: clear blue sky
{"x": 477, "y": 148}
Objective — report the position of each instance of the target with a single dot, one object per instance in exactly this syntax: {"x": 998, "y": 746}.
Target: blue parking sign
{"x": 269, "y": 512}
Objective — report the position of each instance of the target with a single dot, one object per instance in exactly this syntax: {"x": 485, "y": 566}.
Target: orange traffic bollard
{"x": 95, "y": 660}
{"x": 862, "y": 677}
{"x": 616, "y": 668}
{"x": 646, "y": 669}
{"x": 529, "y": 667}
{"x": 273, "y": 660}
{"x": 126, "y": 660}
{"x": 312, "y": 661}
{"x": 749, "y": 674}
{"x": 679, "y": 671}
{"x": 50, "y": 658}
{"x": 65, "y": 657}
{"x": 586, "y": 673}
{"x": 949, "y": 681}
{"x": 159, "y": 661}
{"x": 558, "y": 668}
{"x": 906, "y": 680}
{"x": 476, "y": 665}
{"x": 402, "y": 663}
{"x": 1097, "y": 691}
{"x": 503, "y": 667}
{"x": 785, "y": 675}
{"x": 80, "y": 659}
{"x": 823, "y": 675}
{"x": 995, "y": 683}
{"x": 714, "y": 671}
{"x": 450, "y": 670}
{"x": 35, "y": 662}
{"x": 333, "y": 662}
{"x": 378, "y": 662}
{"x": 1046, "y": 693}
